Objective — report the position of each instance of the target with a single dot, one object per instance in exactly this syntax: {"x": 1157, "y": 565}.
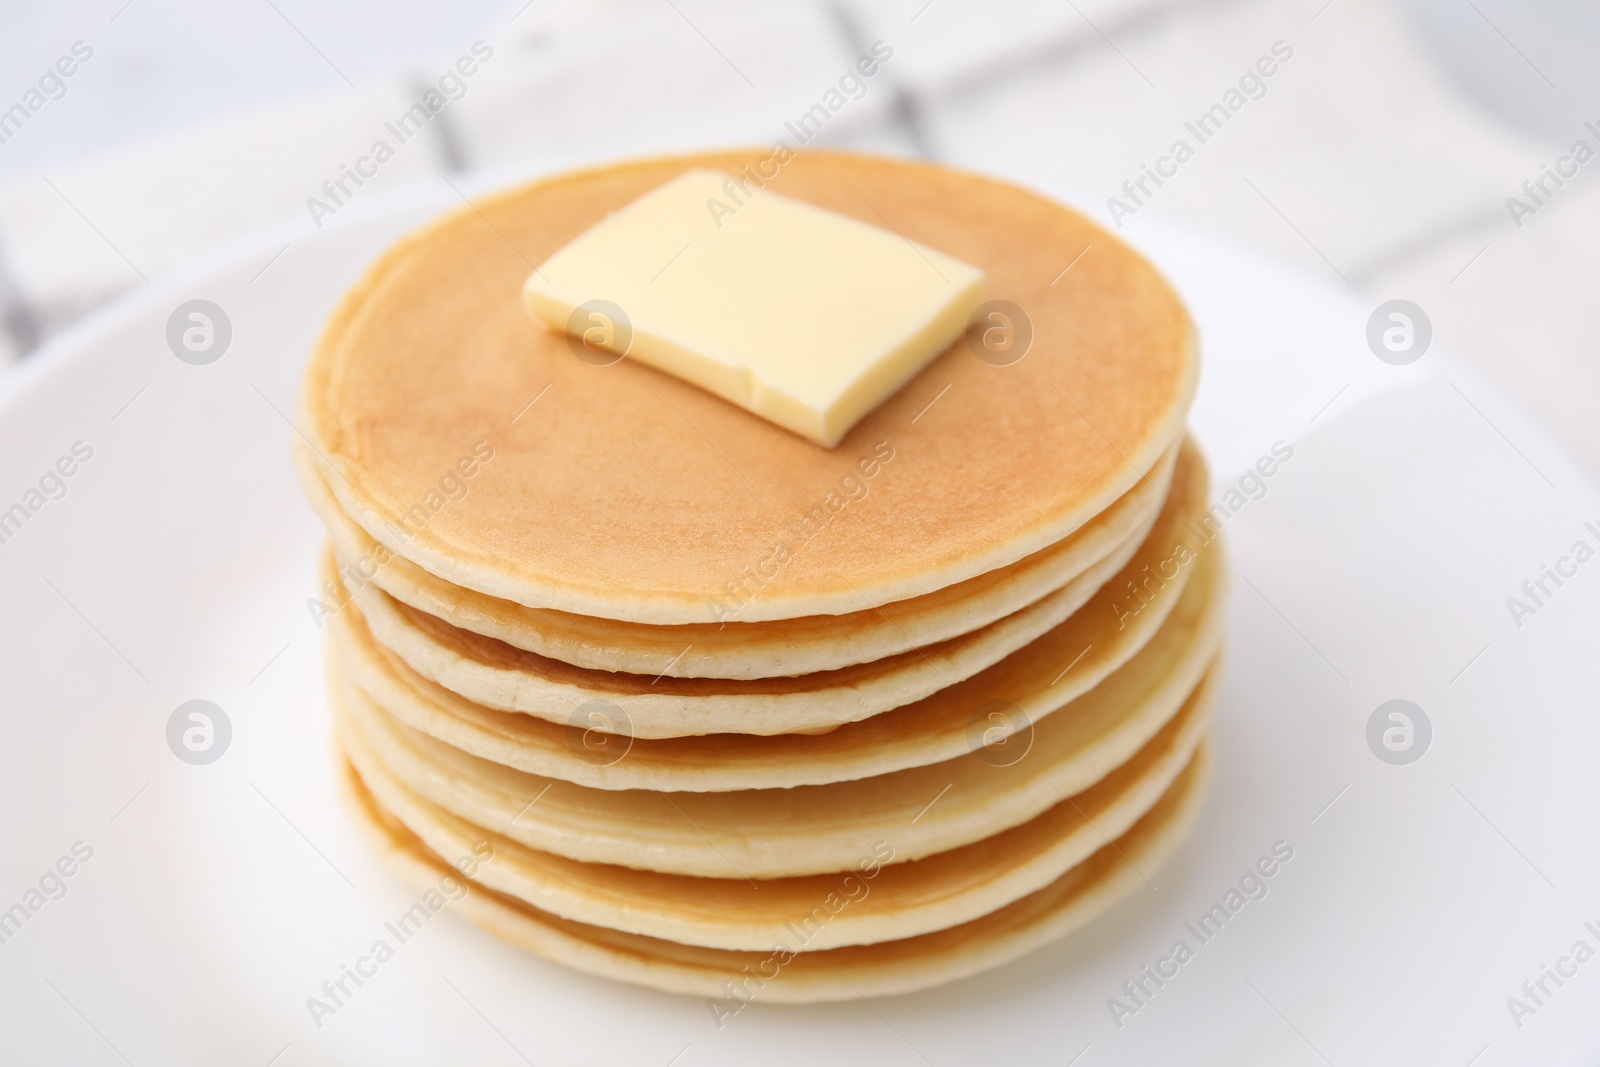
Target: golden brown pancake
{"x": 625, "y": 493}
{"x": 899, "y": 900}
{"x": 735, "y": 649}
{"x": 1031, "y": 683}
{"x": 794, "y": 975}
{"x": 778, "y": 833}
{"x": 494, "y": 674}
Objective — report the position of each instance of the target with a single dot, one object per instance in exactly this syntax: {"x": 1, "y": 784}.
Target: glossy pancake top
{"x": 625, "y": 493}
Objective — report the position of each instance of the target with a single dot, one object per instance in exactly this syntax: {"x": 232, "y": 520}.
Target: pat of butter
{"x": 801, "y": 315}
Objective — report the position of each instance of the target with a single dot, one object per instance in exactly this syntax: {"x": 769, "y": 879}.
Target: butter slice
{"x": 801, "y": 315}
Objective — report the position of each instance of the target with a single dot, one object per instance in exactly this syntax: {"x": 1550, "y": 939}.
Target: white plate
{"x": 1377, "y": 565}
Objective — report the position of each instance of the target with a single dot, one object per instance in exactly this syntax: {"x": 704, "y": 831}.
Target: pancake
{"x": 629, "y": 494}
{"x": 899, "y": 900}
{"x": 745, "y": 649}
{"x": 777, "y": 833}
{"x": 1035, "y": 681}
{"x": 792, "y": 975}
{"x": 494, "y": 674}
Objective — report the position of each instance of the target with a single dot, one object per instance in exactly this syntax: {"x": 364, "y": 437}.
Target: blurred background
{"x": 1419, "y": 149}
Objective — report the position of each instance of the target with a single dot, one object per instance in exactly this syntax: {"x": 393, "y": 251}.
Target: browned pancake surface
{"x": 626, "y": 493}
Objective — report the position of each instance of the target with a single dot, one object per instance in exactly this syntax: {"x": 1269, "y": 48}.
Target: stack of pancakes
{"x": 698, "y": 704}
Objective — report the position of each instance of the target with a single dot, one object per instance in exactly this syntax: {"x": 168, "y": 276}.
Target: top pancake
{"x": 627, "y": 494}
